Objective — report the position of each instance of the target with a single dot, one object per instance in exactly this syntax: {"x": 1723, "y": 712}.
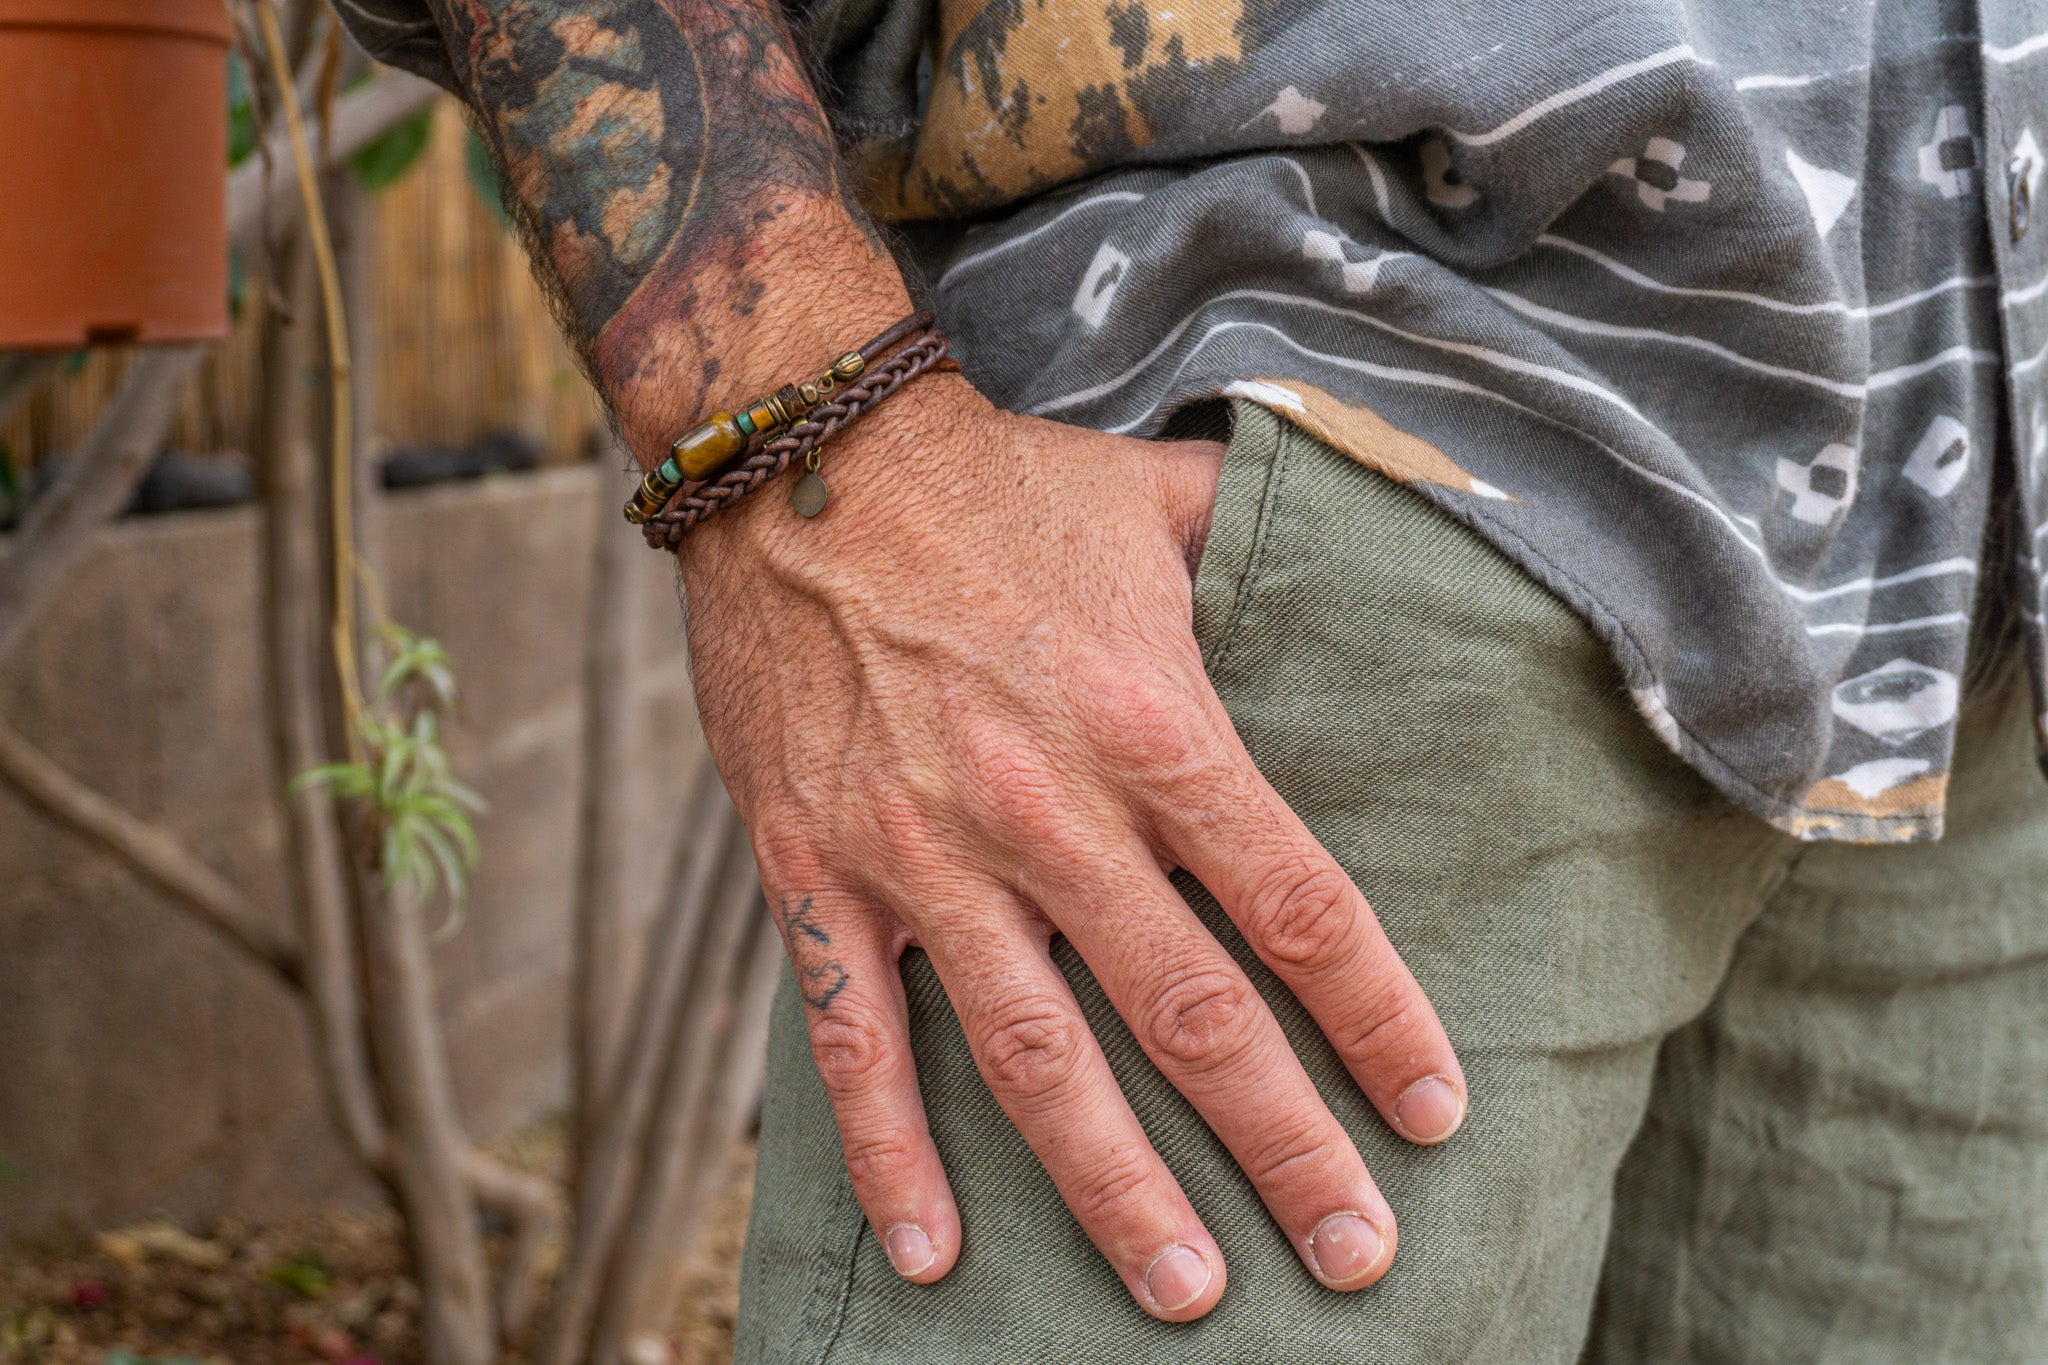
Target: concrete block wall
{"x": 144, "y": 1067}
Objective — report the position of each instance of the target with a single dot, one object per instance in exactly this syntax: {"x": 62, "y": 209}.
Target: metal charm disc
{"x": 808, "y": 498}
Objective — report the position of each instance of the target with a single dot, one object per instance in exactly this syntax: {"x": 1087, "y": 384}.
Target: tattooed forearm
{"x": 819, "y": 977}
{"x": 646, "y": 143}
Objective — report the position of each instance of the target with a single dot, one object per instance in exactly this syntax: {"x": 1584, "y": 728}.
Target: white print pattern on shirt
{"x": 1295, "y": 112}
{"x": 2018, "y": 52}
{"x": 1942, "y": 622}
{"x": 1656, "y": 176}
{"x": 1440, "y": 182}
{"x": 1012, "y": 243}
{"x": 1359, "y": 277}
{"x": 1898, "y": 702}
{"x": 1949, "y": 159}
{"x": 1825, "y": 306}
{"x": 1823, "y": 489}
{"x": 1584, "y": 90}
{"x": 1098, "y": 284}
{"x": 1827, "y": 192}
{"x": 1622, "y": 332}
{"x": 1880, "y": 775}
{"x": 1942, "y": 457}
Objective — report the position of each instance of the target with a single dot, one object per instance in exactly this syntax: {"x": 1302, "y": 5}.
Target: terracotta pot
{"x": 113, "y": 171}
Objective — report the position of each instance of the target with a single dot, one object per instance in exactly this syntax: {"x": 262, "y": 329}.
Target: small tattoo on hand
{"x": 819, "y": 978}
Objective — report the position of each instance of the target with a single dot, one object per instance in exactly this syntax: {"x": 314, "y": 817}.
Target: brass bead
{"x": 849, "y": 366}
{"x": 647, "y": 499}
{"x": 807, "y": 394}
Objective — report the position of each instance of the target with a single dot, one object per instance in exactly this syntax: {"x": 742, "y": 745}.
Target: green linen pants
{"x": 1734, "y": 1098}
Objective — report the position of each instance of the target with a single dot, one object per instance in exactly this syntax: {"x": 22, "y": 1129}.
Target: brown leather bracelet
{"x": 728, "y": 456}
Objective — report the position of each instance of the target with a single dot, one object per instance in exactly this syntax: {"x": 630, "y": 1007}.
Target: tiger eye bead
{"x": 705, "y": 448}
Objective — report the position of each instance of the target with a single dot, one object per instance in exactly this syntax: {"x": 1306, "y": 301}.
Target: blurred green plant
{"x": 304, "y": 1273}
{"x": 121, "y": 1355}
{"x": 241, "y": 112}
{"x": 383, "y": 162}
{"x": 419, "y": 815}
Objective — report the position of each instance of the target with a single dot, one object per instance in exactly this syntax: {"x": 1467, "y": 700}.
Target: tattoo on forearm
{"x": 819, "y": 977}
{"x": 642, "y": 140}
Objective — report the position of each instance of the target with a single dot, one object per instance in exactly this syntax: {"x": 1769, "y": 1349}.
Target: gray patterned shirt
{"x": 1722, "y": 318}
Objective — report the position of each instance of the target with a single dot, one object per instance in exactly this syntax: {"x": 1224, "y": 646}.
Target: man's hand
{"x": 965, "y": 709}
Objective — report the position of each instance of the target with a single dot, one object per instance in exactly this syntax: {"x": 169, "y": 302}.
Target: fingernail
{"x": 1176, "y": 1277}
{"x": 910, "y": 1248}
{"x": 1345, "y": 1247}
{"x": 1430, "y": 1110}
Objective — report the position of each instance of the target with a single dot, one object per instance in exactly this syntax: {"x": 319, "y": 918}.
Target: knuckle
{"x": 901, "y": 832}
{"x": 884, "y": 1161}
{"x": 1288, "y": 1151}
{"x": 849, "y": 1048}
{"x": 1304, "y": 915}
{"x": 784, "y": 850}
{"x": 1106, "y": 1191}
{"x": 1203, "y": 1018}
{"x": 1031, "y": 1048}
{"x": 1387, "y": 1024}
{"x": 1142, "y": 716}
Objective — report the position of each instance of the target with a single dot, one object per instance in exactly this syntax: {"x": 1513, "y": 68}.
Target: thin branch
{"x": 598, "y": 991}
{"x": 674, "y": 1147}
{"x": 612, "y": 1166}
{"x": 149, "y": 852}
{"x": 721, "y": 1119}
{"x": 340, "y": 404}
{"x": 315, "y": 856}
{"x": 95, "y": 484}
{"x": 429, "y": 1154}
{"x": 527, "y": 1204}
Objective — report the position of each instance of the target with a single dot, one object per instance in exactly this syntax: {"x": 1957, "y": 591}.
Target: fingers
{"x": 860, "y": 1040}
{"x": 1042, "y": 1064}
{"x": 1300, "y": 913}
{"x": 1203, "y": 1024}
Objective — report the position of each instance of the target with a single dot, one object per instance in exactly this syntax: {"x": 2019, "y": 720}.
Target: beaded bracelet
{"x": 705, "y": 470}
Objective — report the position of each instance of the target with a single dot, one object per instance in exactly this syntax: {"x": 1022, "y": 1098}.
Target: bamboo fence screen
{"x": 460, "y": 341}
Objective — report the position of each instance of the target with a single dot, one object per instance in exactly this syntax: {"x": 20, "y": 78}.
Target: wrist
{"x": 807, "y": 285}
{"x": 914, "y": 450}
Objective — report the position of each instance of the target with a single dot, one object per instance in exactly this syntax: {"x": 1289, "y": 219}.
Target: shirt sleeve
{"x": 400, "y": 33}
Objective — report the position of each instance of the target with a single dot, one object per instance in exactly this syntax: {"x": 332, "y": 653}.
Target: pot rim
{"x": 202, "y": 19}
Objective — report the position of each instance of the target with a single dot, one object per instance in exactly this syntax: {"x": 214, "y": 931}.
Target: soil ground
{"x": 325, "y": 1288}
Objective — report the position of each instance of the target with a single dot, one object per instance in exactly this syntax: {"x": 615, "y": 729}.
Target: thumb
{"x": 1187, "y": 472}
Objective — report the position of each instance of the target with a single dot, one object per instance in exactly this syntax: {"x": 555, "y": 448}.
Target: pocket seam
{"x": 1255, "y": 561}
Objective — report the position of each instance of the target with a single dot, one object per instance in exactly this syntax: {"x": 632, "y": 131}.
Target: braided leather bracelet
{"x": 705, "y": 473}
